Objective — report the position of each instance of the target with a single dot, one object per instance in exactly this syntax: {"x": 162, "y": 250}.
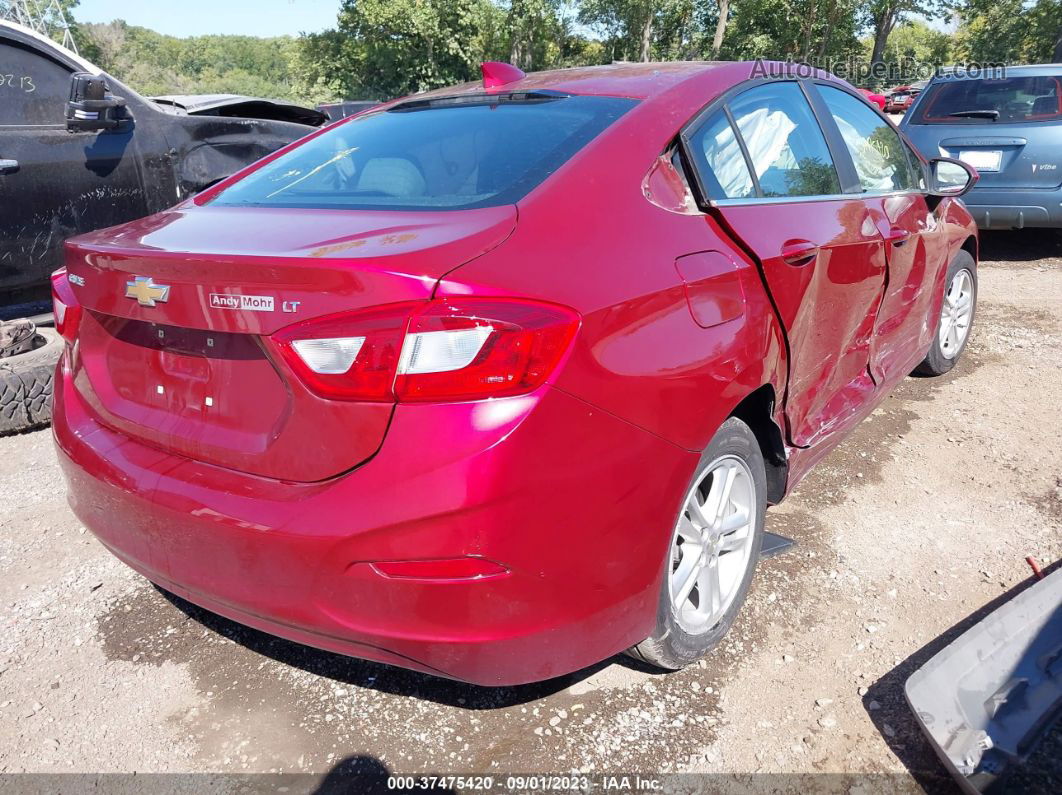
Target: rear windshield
{"x": 987, "y": 101}
{"x": 440, "y": 154}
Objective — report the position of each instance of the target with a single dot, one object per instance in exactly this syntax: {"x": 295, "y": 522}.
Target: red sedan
{"x": 875, "y": 99}
{"x": 497, "y": 381}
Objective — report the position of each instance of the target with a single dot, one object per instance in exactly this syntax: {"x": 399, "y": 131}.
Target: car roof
{"x": 1025, "y": 70}
{"x": 623, "y": 79}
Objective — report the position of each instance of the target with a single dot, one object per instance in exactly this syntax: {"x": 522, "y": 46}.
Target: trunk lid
{"x": 187, "y": 370}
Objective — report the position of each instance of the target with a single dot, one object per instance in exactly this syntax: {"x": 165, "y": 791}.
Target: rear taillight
{"x": 65, "y": 306}
{"x": 350, "y": 356}
{"x": 448, "y": 349}
{"x": 469, "y": 348}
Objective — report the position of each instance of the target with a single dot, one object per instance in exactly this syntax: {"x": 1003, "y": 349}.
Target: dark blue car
{"x": 1008, "y": 125}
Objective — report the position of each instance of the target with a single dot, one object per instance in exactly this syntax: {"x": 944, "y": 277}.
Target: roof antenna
{"x": 498, "y": 73}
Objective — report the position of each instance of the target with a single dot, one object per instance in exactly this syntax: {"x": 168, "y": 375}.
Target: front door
{"x": 53, "y": 184}
{"x": 764, "y": 162}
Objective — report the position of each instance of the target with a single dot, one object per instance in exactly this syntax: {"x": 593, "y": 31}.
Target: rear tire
{"x": 26, "y": 385}
{"x": 956, "y": 317}
{"x": 725, "y": 526}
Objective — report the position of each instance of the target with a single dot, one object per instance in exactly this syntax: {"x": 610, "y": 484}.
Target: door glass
{"x": 33, "y": 88}
{"x": 787, "y": 148}
{"x": 880, "y": 159}
{"x": 918, "y": 171}
{"x": 715, "y": 147}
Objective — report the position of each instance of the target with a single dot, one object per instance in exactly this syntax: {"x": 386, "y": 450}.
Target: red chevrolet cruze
{"x": 496, "y": 381}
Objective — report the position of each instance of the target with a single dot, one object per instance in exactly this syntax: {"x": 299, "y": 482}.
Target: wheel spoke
{"x": 945, "y": 330}
{"x": 688, "y": 531}
{"x": 698, "y": 514}
{"x": 685, "y": 577}
{"x": 735, "y": 521}
{"x": 719, "y": 496}
{"x": 733, "y": 542}
{"x": 711, "y": 589}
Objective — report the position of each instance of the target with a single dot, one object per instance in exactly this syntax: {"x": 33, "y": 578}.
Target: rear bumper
{"x": 574, "y": 502}
{"x": 1015, "y": 209}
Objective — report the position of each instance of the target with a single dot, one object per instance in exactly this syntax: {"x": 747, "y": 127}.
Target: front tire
{"x": 956, "y": 318}
{"x": 713, "y": 551}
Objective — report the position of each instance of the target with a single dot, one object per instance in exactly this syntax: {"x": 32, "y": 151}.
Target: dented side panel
{"x": 825, "y": 266}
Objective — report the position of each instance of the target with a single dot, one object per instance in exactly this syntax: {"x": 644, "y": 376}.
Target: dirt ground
{"x": 922, "y": 518}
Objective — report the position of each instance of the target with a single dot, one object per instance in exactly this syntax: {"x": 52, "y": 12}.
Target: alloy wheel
{"x": 712, "y": 544}
{"x": 956, "y": 313}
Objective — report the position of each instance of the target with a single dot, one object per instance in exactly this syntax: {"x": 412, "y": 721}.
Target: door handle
{"x": 897, "y": 236}
{"x": 8, "y": 166}
{"x": 798, "y": 252}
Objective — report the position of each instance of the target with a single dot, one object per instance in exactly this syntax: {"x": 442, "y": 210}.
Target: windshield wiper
{"x": 977, "y": 114}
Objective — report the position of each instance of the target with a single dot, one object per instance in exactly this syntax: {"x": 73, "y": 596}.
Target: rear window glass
{"x": 456, "y": 153}
{"x": 1004, "y": 100}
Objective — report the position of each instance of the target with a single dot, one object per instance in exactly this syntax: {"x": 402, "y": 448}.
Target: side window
{"x": 880, "y": 157}
{"x": 918, "y": 171}
{"x": 33, "y": 88}
{"x": 715, "y": 146}
{"x": 786, "y": 146}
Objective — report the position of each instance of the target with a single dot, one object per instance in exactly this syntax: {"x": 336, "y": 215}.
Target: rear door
{"x": 53, "y": 184}
{"x": 893, "y": 189}
{"x": 1009, "y": 129}
{"x": 763, "y": 162}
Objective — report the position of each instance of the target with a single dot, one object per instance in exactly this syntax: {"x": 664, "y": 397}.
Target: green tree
{"x": 914, "y": 50}
{"x": 801, "y": 30}
{"x": 386, "y": 48}
{"x": 882, "y": 17}
{"x": 1010, "y": 31}
{"x": 155, "y": 64}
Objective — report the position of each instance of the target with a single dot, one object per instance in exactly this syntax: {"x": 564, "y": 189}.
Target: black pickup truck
{"x": 80, "y": 151}
{"x": 62, "y": 176}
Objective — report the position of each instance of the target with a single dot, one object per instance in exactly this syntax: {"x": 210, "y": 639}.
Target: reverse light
{"x": 350, "y": 356}
{"x": 442, "y": 350}
{"x": 332, "y": 356}
{"x": 65, "y": 306}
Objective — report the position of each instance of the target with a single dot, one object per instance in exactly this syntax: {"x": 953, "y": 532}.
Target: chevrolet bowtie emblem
{"x": 146, "y": 292}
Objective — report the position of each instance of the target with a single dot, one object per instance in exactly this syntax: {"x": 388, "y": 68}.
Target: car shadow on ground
{"x": 887, "y": 706}
{"x": 1020, "y": 245}
{"x": 388, "y": 678}
{"x": 367, "y": 775}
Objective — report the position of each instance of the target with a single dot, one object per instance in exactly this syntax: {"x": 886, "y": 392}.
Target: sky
{"x": 200, "y": 17}
{"x": 246, "y": 17}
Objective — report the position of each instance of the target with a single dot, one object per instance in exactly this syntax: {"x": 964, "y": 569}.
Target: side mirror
{"x": 950, "y": 177}
{"x": 91, "y": 105}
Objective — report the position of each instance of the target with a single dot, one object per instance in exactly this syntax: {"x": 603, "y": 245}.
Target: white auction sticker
{"x": 252, "y": 303}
